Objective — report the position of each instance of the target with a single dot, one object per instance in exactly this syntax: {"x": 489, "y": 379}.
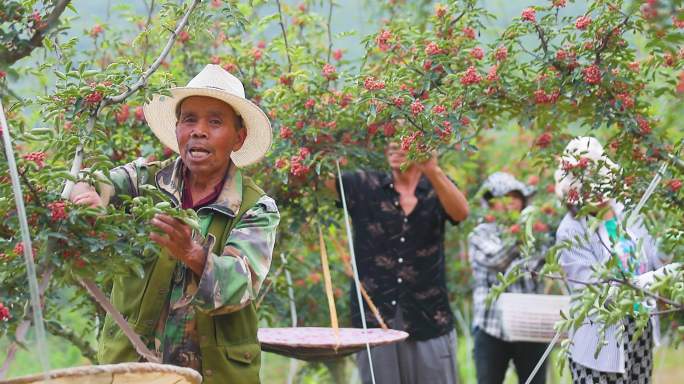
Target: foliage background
{"x": 505, "y": 147}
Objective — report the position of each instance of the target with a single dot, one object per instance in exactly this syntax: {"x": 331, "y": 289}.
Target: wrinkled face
{"x": 208, "y": 131}
{"x": 395, "y": 156}
{"x": 511, "y": 202}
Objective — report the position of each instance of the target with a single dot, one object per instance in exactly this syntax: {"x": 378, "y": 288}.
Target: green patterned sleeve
{"x": 231, "y": 280}
{"x": 123, "y": 180}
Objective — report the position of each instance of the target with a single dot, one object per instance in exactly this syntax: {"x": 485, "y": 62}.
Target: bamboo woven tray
{"x": 318, "y": 344}
{"x": 125, "y": 373}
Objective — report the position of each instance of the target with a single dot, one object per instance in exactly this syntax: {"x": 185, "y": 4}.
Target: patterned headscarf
{"x": 501, "y": 183}
{"x": 589, "y": 148}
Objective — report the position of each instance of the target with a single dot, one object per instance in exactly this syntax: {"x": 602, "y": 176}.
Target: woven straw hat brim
{"x": 160, "y": 114}
{"x": 133, "y": 373}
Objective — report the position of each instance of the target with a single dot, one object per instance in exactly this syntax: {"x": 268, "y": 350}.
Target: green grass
{"x": 668, "y": 364}
{"x": 61, "y": 353}
{"x": 668, "y": 369}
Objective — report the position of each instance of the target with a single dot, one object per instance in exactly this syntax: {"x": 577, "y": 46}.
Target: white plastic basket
{"x": 531, "y": 317}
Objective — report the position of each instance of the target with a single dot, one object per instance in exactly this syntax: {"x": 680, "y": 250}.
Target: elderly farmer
{"x": 399, "y": 223}
{"x": 491, "y": 253}
{"x": 195, "y": 301}
{"x": 582, "y": 180}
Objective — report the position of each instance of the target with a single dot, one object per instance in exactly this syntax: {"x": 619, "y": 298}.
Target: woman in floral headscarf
{"x": 583, "y": 180}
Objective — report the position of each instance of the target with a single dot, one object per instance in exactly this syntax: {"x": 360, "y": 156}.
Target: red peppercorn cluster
{"x": 4, "y": 313}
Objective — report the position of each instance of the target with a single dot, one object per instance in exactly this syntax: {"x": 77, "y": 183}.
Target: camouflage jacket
{"x": 186, "y": 317}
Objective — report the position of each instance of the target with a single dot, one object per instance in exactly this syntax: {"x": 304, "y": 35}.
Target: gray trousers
{"x": 431, "y": 361}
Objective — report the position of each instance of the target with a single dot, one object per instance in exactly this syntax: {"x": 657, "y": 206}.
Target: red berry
{"x": 123, "y": 114}
{"x": 469, "y": 33}
{"x": 501, "y": 53}
{"x": 544, "y": 140}
{"x": 383, "y": 40}
{"x": 183, "y": 36}
{"x": 285, "y": 132}
{"x": 477, "y": 53}
{"x": 529, "y": 14}
{"x": 96, "y": 30}
{"x": 372, "y": 84}
{"x": 582, "y": 22}
{"x": 329, "y": 72}
{"x": 310, "y": 103}
{"x": 592, "y": 74}
{"x": 139, "y": 113}
{"x": 57, "y": 211}
{"x": 432, "y": 49}
{"x": 539, "y": 226}
{"x": 471, "y": 76}
{"x": 417, "y": 107}
{"x": 93, "y": 98}
{"x": 36, "y": 157}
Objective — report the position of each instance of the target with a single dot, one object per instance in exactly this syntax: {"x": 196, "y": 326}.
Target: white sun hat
{"x": 582, "y": 147}
{"x": 213, "y": 81}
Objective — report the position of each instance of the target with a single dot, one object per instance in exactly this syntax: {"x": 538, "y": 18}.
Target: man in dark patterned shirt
{"x": 399, "y": 221}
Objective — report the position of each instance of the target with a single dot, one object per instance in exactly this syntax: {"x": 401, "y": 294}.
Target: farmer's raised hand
{"x": 176, "y": 238}
{"x": 85, "y": 194}
{"x": 430, "y": 165}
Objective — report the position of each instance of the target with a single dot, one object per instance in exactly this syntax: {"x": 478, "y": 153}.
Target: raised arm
{"x": 452, "y": 199}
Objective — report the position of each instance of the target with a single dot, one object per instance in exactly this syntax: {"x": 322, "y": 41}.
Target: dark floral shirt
{"x": 400, "y": 258}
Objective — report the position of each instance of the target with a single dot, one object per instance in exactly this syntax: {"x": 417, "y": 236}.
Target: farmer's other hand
{"x": 176, "y": 238}
{"x": 430, "y": 165}
{"x": 85, "y": 194}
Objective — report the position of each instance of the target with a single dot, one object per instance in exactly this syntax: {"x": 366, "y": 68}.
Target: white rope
{"x": 543, "y": 358}
{"x": 41, "y": 340}
{"x": 294, "y": 363}
{"x": 357, "y": 282}
{"x": 647, "y": 195}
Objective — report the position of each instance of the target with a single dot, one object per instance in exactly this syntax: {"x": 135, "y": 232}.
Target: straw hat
{"x": 213, "y": 81}
{"x": 582, "y": 147}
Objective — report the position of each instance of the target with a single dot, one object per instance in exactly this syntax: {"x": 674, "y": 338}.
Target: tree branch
{"x": 36, "y": 40}
{"x": 142, "y": 82}
{"x": 330, "y": 44}
{"x": 133, "y": 337}
{"x": 150, "y": 10}
{"x": 58, "y": 329}
{"x": 287, "y": 47}
{"x": 606, "y": 39}
{"x": 31, "y": 188}
{"x": 676, "y": 306}
{"x": 542, "y": 37}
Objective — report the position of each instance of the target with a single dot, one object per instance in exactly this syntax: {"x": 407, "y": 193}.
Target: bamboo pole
{"x": 41, "y": 339}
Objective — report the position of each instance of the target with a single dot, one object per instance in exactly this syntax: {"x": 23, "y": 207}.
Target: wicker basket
{"x": 530, "y": 317}
{"x": 125, "y": 373}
